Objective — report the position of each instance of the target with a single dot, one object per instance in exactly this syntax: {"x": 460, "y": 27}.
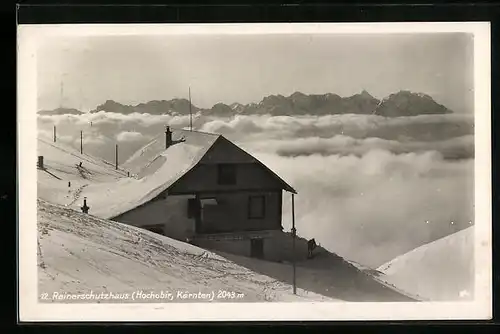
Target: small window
{"x": 226, "y": 174}
{"x": 256, "y": 207}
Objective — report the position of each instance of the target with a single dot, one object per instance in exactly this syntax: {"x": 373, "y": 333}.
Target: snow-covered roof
{"x": 195, "y": 140}
{"x": 157, "y": 168}
{"x": 151, "y": 164}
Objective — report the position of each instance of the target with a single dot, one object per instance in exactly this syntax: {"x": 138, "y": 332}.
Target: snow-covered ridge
{"x": 440, "y": 270}
{"x": 79, "y": 254}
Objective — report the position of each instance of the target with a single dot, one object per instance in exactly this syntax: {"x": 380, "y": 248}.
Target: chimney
{"x": 85, "y": 208}
{"x": 168, "y": 137}
{"x": 40, "y": 161}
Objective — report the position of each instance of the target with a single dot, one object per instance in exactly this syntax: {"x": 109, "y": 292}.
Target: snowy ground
{"x": 442, "y": 270}
{"x": 328, "y": 275}
{"x": 62, "y": 180}
{"x": 80, "y": 253}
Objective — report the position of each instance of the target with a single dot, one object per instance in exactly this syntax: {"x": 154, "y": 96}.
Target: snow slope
{"x": 62, "y": 179}
{"x": 328, "y": 275}
{"x": 64, "y": 159}
{"x": 80, "y": 253}
{"x": 442, "y": 270}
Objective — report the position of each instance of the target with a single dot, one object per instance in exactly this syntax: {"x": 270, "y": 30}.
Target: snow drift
{"x": 442, "y": 270}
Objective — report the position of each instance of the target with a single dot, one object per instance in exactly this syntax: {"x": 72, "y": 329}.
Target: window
{"x": 256, "y": 207}
{"x": 226, "y": 174}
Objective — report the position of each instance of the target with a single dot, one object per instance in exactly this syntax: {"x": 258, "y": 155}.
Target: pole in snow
{"x": 81, "y": 142}
{"x": 116, "y": 156}
{"x": 54, "y": 133}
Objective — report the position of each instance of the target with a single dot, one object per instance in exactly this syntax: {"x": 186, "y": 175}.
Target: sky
{"x": 84, "y": 71}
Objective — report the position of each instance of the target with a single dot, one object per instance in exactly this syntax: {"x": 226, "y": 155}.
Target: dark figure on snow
{"x": 311, "y": 245}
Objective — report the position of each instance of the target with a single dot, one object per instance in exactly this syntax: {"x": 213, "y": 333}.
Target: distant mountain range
{"x": 403, "y": 103}
{"x": 60, "y": 111}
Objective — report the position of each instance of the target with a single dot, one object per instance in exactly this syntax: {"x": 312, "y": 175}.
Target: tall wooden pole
{"x": 54, "y": 133}
{"x": 81, "y": 142}
{"x": 116, "y": 157}
{"x": 190, "y": 112}
{"x": 294, "y": 233}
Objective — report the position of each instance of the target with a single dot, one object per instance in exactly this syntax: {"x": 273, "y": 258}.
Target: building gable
{"x": 251, "y": 173}
{"x": 224, "y": 151}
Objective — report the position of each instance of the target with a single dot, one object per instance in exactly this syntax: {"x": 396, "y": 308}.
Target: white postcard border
{"x": 31, "y": 310}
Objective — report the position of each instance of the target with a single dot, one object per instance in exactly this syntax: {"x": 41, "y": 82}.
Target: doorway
{"x": 194, "y": 212}
{"x": 257, "y": 248}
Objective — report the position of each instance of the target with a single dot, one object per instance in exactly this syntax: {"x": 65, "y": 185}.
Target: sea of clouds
{"x": 369, "y": 188}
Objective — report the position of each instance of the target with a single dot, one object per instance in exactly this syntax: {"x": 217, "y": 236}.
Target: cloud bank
{"x": 375, "y": 207}
{"x": 369, "y": 188}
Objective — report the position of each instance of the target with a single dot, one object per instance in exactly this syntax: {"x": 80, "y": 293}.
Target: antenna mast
{"x": 190, "y": 112}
